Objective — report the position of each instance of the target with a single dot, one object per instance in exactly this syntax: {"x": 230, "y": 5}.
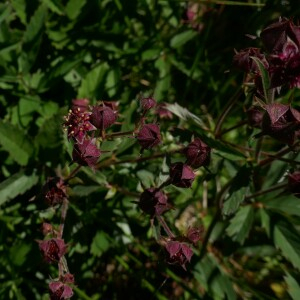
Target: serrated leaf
{"x": 16, "y": 185}
{"x": 265, "y": 80}
{"x": 265, "y": 221}
{"x": 241, "y": 223}
{"x": 287, "y": 239}
{"x": 182, "y": 38}
{"x": 293, "y": 286}
{"x": 16, "y": 142}
{"x": 73, "y": 8}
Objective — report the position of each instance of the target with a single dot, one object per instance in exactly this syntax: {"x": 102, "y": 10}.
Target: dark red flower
{"x": 60, "y": 291}
{"x": 77, "y": 123}
{"x": 103, "y": 116}
{"x": 282, "y": 122}
{"x": 149, "y": 136}
{"x": 243, "y": 60}
{"x": 275, "y": 36}
{"x": 148, "y": 103}
{"x": 195, "y": 234}
{"x": 54, "y": 191}
{"x": 197, "y": 153}
{"x": 82, "y": 104}
{"x": 179, "y": 253}
{"x": 294, "y": 183}
{"x": 181, "y": 175}
{"x": 154, "y": 202}
{"x": 86, "y": 154}
{"x": 53, "y": 249}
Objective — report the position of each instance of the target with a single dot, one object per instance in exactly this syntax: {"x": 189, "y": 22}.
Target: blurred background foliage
{"x": 53, "y": 51}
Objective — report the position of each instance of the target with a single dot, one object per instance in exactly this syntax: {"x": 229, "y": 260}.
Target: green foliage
{"x": 54, "y": 51}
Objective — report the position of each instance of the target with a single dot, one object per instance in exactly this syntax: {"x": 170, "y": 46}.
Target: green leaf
{"x": 32, "y": 38}
{"x": 92, "y": 81}
{"x": 185, "y": 114}
{"x": 293, "y": 286}
{"x": 55, "y": 6}
{"x": 265, "y": 80}
{"x": 287, "y": 239}
{"x": 73, "y": 8}
{"x": 100, "y": 244}
{"x": 238, "y": 190}
{"x": 18, "y": 253}
{"x": 182, "y": 38}
{"x": 16, "y": 185}
{"x": 265, "y": 221}
{"x": 287, "y": 204}
{"x": 241, "y": 223}
{"x": 234, "y": 200}
{"x": 20, "y": 8}
{"x": 16, "y": 142}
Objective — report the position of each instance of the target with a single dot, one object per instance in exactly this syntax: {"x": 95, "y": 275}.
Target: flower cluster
{"x": 154, "y": 202}
{"x": 281, "y": 62}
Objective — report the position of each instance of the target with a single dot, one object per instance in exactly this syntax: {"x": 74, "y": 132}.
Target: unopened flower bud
{"x": 178, "y": 253}
{"x": 86, "y": 154}
{"x": 181, "y": 175}
{"x": 281, "y": 122}
{"x": 147, "y": 103}
{"x": 149, "y": 136}
{"x": 54, "y": 191}
{"x": 102, "y": 117}
{"x": 197, "y": 153}
{"x": 153, "y": 202}
{"x": 60, "y": 291}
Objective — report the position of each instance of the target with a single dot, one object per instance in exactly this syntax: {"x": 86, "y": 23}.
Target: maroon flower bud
{"x": 47, "y": 228}
{"x": 147, "y": 103}
{"x": 112, "y": 104}
{"x": 197, "y": 153}
{"x": 281, "y": 122}
{"x": 277, "y": 34}
{"x": 77, "y": 123}
{"x": 86, "y": 154}
{"x": 294, "y": 183}
{"x": 243, "y": 60}
{"x": 179, "y": 253}
{"x": 52, "y": 250}
{"x": 149, "y": 136}
{"x": 154, "y": 202}
{"x": 195, "y": 234}
{"x": 60, "y": 291}
{"x": 163, "y": 112}
{"x": 181, "y": 175}
{"x": 255, "y": 116}
{"x": 103, "y": 116}
{"x": 82, "y": 104}
{"x": 68, "y": 278}
{"x": 54, "y": 191}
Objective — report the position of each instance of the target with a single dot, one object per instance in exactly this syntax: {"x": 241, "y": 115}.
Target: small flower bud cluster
{"x": 53, "y": 247}
{"x": 154, "y": 202}
{"x": 81, "y": 122}
{"x": 281, "y": 61}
